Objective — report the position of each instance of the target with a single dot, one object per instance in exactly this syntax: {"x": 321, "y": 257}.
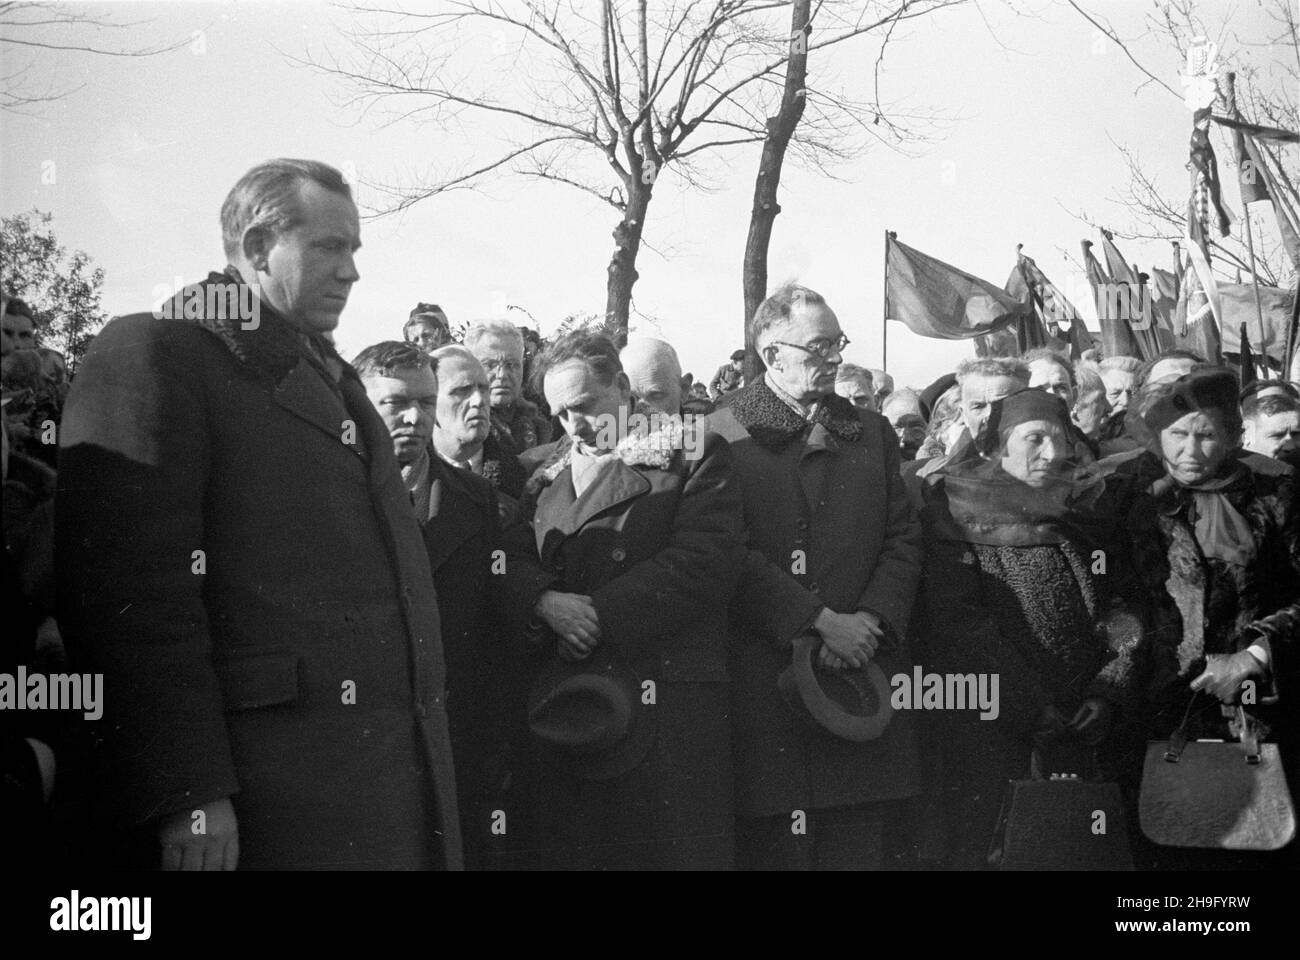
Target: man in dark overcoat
{"x": 238, "y": 557}
{"x": 631, "y": 558}
{"x": 835, "y": 548}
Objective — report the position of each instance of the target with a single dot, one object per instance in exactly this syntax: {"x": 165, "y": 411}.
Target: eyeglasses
{"x": 822, "y": 348}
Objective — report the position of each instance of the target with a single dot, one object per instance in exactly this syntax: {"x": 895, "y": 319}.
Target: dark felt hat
{"x": 588, "y": 718}
{"x": 852, "y": 704}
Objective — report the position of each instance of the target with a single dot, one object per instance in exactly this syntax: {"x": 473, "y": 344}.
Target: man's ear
{"x": 623, "y": 384}
{"x": 256, "y": 245}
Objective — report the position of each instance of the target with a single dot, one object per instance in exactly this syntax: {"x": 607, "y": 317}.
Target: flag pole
{"x": 884, "y": 307}
{"x": 1250, "y": 239}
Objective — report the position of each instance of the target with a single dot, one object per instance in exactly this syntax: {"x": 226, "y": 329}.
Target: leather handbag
{"x": 1060, "y": 822}
{"x": 1214, "y": 794}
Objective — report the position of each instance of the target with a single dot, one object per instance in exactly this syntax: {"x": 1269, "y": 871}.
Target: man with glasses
{"x": 835, "y": 556}
{"x": 516, "y": 424}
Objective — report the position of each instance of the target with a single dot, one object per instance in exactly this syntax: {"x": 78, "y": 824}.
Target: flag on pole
{"x": 1257, "y": 183}
{"x": 1116, "y": 338}
{"x": 1199, "y": 314}
{"x": 934, "y": 299}
{"x": 1131, "y": 300}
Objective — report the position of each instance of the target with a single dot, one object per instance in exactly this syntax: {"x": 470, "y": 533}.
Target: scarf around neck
{"x": 984, "y": 504}
{"x": 1222, "y": 532}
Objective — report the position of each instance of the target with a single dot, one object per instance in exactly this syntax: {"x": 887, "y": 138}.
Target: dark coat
{"x": 184, "y": 435}
{"x": 1239, "y": 604}
{"x": 834, "y": 493}
{"x": 485, "y": 695}
{"x": 658, "y": 549}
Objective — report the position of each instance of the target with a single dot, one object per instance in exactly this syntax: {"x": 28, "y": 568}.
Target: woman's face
{"x": 1035, "y": 451}
{"x": 1194, "y": 447}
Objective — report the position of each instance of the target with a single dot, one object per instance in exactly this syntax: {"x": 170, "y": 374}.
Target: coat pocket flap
{"x": 259, "y": 680}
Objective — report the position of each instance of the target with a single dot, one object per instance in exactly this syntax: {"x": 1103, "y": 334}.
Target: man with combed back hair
{"x": 237, "y": 555}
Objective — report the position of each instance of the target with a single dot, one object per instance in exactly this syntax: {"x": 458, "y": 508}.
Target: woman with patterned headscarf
{"x": 1023, "y": 568}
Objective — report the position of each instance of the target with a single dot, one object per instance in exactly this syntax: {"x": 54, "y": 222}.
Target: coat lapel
{"x": 456, "y": 513}
{"x": 304, "y": 394}
{"x": 560, "y": 514}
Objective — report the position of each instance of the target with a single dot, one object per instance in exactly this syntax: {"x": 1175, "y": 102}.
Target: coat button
{"x": 814, "y": 586}
{"x": 619, "y": 554}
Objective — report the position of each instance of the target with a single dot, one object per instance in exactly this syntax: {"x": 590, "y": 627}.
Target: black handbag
{"x": 1060, "y": 822}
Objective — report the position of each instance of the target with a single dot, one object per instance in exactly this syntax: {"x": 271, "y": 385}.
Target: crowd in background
{"x": 419, "y": 610}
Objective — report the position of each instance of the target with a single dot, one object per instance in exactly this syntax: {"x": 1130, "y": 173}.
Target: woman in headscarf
{"x": 1218, "y": 547}
{"x": 1022, "y": 580}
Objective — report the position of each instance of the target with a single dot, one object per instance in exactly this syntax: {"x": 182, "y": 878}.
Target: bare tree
{"x": 602, "y": 97}
{"x": 1267, "y": 70}
{"x": 782, "y": 127}
{"x": 31, "y": 28}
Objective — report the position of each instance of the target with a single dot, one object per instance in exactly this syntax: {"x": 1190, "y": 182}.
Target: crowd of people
{"x": 489, "y": 602}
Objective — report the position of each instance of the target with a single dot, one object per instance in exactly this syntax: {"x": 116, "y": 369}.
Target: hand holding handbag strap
{"x": 1248, "y": 734}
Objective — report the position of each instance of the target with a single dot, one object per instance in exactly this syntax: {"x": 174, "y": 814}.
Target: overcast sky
{"x": 144, "y": 151}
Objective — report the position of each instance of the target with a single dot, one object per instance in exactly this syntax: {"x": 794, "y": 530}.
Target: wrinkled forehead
{"x": 457, "y": 370}
{"x": 807, "y": 321}
{"x": 494, "y": 345}
{"x": 983, "y": 387}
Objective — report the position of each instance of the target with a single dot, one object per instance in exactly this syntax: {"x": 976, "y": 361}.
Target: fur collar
{"x": 773, "y": 424}
{"x": 652, "y": 450}
{"x": 270, "y": 350}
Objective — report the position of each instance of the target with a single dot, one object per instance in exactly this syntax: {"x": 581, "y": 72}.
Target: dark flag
{"x": 1257, "y": 183}
{"x": 1116, "y": 338}
{"x": 1135, "y": 308}
{"x": 937, "y": 300}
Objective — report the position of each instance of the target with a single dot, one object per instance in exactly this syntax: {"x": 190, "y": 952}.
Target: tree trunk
{"x": 622, "y": 265}
{"x": 779, "y": 131}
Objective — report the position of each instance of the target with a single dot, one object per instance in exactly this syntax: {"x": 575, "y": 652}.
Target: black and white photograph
{"x": 655, "y": 436}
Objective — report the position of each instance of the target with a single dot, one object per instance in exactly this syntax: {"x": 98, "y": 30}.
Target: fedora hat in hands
{"x": 587, "y": 717}
{"x": 852, "y": 704}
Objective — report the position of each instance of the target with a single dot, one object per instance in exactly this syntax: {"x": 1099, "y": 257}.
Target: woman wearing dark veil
{"x": 1023, "y": 568}
{"x": 1218, "y": 548}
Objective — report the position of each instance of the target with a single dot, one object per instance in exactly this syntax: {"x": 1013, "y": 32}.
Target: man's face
{"x": 406, "y": 401}
{"x": 1276, "y": 436}
{"x": 1051, "y": 376}
{"x": 1035, "y": 451}
{"x": 19, "y": 333}
{"x": 429, "y": 335}
{"x": 656, "y": 380}
{"x": 1119, "y": 387}
{"x": 738, "y": 365}
{"x": 461, "y": 419}
{"x": 586, "y": 407}
{"x": 978, "y": 392}
{"x": 803, "y": 373}
{"x": 1194, "y": 447}
{"x": 858, "y": 391}
{"x": 503, "y": 360}
{"x": 310, "y": 267}
{"x": 910, "y": 429}
{"x": 1090, "y": 412}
